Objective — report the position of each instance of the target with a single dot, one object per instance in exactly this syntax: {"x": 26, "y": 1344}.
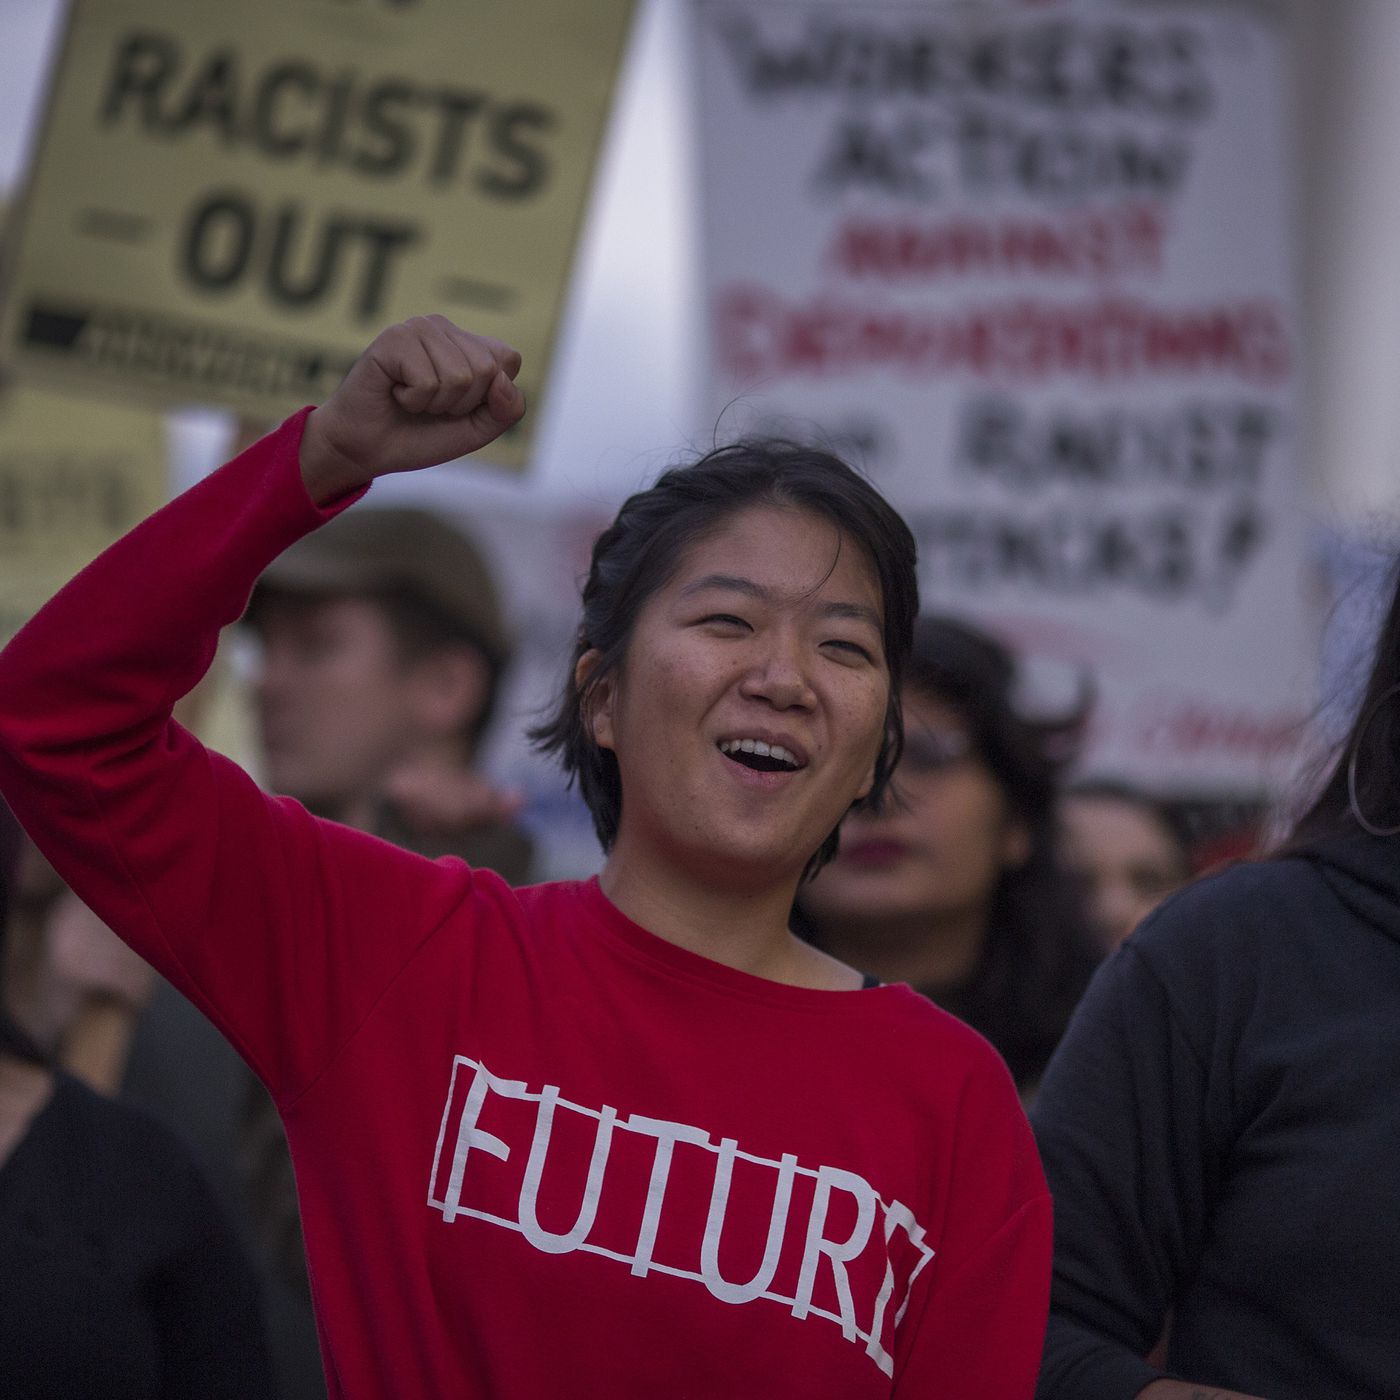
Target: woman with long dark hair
{"x": 1221, "y": 1125}
{"x": 621, "y": 1137}
{"x": 956, "y": 887}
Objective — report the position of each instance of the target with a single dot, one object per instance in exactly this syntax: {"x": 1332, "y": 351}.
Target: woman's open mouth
{"x": 760, "y": 756}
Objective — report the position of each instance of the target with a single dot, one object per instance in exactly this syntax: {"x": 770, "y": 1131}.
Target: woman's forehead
{"x": 788, "y": 551}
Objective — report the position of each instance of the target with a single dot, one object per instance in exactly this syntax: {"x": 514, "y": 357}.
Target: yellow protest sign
{"x": 74, "y": 474}
{"x": 230, "y": 200}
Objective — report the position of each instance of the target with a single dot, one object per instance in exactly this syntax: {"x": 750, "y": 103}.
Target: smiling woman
{"x": 621, "y": 1137}
{"x": 785, "y": 552}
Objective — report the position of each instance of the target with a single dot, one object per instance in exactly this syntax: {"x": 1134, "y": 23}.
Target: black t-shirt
{"x": 121, "y": 1278}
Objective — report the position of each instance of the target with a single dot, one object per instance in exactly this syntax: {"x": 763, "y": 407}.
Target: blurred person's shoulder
{"x": 117, "y": 1164}
{"x": 128, "y": 1133}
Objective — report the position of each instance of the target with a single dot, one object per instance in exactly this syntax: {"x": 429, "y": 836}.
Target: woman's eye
{"x": 725, "y": 620}
{"x": 850, "y": 648}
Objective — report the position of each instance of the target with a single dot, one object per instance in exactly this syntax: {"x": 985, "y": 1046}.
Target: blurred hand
{"x": 424, "y": 392}
{"x": 443, "y": 801}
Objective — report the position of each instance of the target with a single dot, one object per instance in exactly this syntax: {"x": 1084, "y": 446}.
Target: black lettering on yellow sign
{"x": 291, "y": 109}
{"x": 47, "y": 496}
{"x": 296, "y": 259}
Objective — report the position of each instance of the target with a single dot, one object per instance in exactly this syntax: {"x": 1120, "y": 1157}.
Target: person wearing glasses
{"x": 956, "y": 887}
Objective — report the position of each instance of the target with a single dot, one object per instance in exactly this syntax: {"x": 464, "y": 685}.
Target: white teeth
{"x": 759, "y": 747}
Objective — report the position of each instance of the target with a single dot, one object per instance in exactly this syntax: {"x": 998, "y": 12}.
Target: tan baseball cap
{"x": 370, "y": 548}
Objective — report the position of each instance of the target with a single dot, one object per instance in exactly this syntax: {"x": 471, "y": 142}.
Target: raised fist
{"x": 424, "y": 392}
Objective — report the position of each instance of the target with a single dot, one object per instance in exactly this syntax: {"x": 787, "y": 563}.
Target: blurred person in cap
{"x": 383, "y": 650}
{"x": 1128, "y": 850}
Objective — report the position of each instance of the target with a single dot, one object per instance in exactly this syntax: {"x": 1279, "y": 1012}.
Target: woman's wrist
{"x": 325, "y": 471}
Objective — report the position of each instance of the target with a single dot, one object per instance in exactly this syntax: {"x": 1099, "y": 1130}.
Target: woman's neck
{"x": 929, "y": 953}
{"x": 745, "y": 928}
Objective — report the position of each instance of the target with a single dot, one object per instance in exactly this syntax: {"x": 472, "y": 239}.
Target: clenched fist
{"x": 424, "y": 392}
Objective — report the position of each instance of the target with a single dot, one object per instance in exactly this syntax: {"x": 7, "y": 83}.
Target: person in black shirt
{"x": 1220, "y": 1126}
{"x": 122, "y": 1280}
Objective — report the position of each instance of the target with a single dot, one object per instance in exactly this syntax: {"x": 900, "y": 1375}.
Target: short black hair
{"x": 638, "y": 553}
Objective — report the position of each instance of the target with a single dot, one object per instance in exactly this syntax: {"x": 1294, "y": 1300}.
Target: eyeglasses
{"x": 934, "y": 750}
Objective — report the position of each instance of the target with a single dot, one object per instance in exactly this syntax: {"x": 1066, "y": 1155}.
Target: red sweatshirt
{"x": 541, "y": 1152}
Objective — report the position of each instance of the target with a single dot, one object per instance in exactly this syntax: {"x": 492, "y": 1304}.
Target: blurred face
{"x": 1128, "y": 860}
{"x": 939, "y": 854}
{"x": 750, "y": 707}
{"x": 337, "y": 704}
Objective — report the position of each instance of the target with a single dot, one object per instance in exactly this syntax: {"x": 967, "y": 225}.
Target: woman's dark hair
{"x": 1362, "y": 779}
{"x": 638, "y": 554}
{"x": 15, "y": 1041}
{"x": 1039, "y": 953}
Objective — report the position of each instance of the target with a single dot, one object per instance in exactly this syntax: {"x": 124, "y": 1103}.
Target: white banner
{"x": 1033, "y": 267}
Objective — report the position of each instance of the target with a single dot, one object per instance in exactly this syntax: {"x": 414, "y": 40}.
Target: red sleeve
{"x": 982, "y": 1327}
{"x": 284, "y": 929}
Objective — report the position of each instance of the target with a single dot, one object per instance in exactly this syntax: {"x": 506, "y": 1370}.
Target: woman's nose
{"x": 780, "y": 678}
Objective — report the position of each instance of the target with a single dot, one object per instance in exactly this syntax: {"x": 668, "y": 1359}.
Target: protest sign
{"x": 73, "y": 476}
{"x": 230, "y": 200}
{"x": 1032, "y": 266}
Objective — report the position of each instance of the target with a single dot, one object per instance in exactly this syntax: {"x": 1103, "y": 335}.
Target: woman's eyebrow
{"x": 736, "y": 583}
{"x": 732, "y": 583}
{"x": 857, "y": 612}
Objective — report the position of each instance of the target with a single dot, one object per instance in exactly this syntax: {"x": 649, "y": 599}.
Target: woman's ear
{"x": 596, "y": 702}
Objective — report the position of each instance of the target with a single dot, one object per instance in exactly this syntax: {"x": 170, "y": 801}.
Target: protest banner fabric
{"x": 1032, "y": 265}
{"x": 230, "y": 200}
